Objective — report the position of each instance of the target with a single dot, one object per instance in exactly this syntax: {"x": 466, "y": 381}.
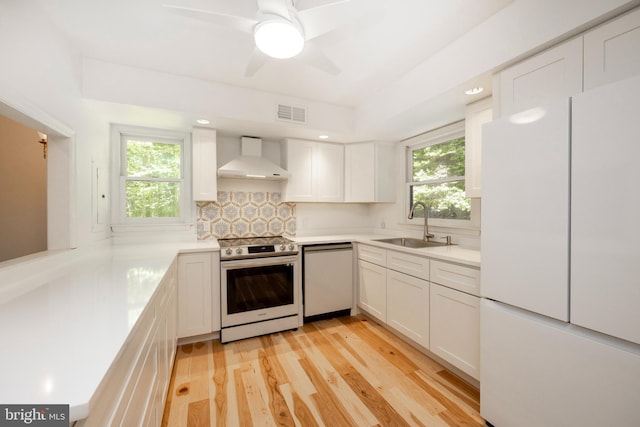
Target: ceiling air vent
{"x": 288, "y": 113}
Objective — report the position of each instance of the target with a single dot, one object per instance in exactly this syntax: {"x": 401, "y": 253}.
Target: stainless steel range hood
{"x": 251, "y": 164}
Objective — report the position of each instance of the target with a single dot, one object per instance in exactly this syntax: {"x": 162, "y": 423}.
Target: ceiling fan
{"x": 281, "y": 29}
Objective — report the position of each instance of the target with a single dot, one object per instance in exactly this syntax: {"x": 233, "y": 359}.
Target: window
{"x": 436, "y": 174}
{"x": 152, "y": 172}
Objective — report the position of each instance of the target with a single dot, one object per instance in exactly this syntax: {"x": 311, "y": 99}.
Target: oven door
{"x": 253, "y": 290}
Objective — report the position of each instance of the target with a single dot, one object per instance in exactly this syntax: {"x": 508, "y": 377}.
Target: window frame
{"x": 437, "y": 136}
{"x": 119, "y": 134}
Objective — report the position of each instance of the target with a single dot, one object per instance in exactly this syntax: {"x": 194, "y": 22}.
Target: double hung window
{"x": 152, "y": 185}
{"x": 436, "y": 174}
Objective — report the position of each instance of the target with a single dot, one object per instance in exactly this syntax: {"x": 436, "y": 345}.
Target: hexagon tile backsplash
{"x": 245, "y": 214}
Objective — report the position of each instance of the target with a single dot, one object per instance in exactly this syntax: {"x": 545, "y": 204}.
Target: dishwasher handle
{"x": 327, "y": 247}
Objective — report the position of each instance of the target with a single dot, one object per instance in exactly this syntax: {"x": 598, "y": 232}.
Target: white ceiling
{"x": 381, "y": 41}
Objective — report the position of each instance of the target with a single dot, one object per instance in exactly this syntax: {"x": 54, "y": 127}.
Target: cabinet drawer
{"x": 408, "y": 264}
{"x": 465, "y": 279}
{"x": 373, "y": 254}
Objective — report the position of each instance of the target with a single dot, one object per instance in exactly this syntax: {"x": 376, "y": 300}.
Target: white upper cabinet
{"x": 553, "y": 74}
{"x": 476, "y": 115}
{"x": 612, "y": 51}
{"x": 204, "y": 169}
{"x": 369, "y": 172}
{"x": 329, "y": 172}
{"x": 299, "y": 159}
{"x": 317, "y": 171}
{"x": 605, "y": 54}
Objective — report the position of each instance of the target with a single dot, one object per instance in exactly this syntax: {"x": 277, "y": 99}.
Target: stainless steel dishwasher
{"x": 327, "y": 280}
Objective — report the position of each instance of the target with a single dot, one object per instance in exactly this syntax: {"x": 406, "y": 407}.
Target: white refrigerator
{"x": 560, "y": 277}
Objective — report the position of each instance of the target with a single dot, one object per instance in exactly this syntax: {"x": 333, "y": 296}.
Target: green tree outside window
{"x": 153, "y": 179}
{"x": 438, "y": 180}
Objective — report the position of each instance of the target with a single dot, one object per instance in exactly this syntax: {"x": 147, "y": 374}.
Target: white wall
{"x": 41, "y": 71}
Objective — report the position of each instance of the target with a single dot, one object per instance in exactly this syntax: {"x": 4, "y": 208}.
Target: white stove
{"x": 260, "y": 286}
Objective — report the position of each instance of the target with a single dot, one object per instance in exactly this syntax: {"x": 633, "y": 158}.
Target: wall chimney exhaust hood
{"x": 251, "y": 164}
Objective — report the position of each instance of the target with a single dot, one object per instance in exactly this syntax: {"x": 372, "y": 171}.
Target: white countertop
{"x": 65, "y": 315}
{"x": 62, "y": 327}
{"x": 452, "y": 253}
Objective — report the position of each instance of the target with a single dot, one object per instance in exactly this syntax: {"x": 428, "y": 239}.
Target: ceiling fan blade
{"x": 315, "y": 57}
{"x": 224, "y": 20}
{"x": 322, "y": 19}
{"x": 301, "y": 5}
{"x": 276, "y": 7}
{"x": 256, "y": 61}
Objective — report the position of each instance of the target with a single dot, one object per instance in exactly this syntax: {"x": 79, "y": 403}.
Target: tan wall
{"x": 23, "y": 191}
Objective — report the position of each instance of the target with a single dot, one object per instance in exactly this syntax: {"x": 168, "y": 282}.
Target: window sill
{"x": 146, "y": 228}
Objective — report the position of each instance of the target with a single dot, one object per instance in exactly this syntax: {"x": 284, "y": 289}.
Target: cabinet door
{"x": 553, "y": 74}
{"x": 215, "y": 290}
{"x": 455, "y": 328}
{"x": 369, "y": 172}
{"x": 611, "y": 51}
{"x": 408, "y": 306}
{"x": 359, "y": 173}
{"x": 372, "y": 289}
{"x": 195, "y": 301}
{"x": 476, "y": 115}
{"x": 204, "y": 169}
{"x": 300, "y": 164}
{"x": 329, "y": 172}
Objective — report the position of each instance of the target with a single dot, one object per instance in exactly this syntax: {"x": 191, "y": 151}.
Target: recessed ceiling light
{"x": 474, "y": 90}
{"x": 323, "y": 136}
{"x": 203, "y": 121}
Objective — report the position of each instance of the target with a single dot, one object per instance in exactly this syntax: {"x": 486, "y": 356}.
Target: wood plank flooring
{"x": 339, "y": 372}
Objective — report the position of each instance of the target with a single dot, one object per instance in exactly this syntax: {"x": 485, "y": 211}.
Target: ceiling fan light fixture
{"x": 279, "y": 38}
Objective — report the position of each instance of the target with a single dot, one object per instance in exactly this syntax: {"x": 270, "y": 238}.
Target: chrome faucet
{"x": 427, "y": 235}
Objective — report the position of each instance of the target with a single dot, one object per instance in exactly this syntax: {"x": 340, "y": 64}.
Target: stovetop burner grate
{"x": 253, "y": 241}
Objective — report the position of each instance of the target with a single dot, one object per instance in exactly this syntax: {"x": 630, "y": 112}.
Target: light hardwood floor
{"x": 339, "y": 372}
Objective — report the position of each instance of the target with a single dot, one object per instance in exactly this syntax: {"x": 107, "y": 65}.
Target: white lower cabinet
{"x": 434, "y": 303}
{"x": 408, "y": 306}
{"x": 134, "y": 391}
{"x": 455, "y": 328}
{"x": 198, "y": 295}
{"x": 372, "y": 289}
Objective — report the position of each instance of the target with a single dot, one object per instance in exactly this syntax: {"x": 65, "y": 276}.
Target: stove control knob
{"x": 292, "y": 247}
{"x": 283, "y": 247}
{"x": 239, "y": 251}
{"x": 228, "y": 251}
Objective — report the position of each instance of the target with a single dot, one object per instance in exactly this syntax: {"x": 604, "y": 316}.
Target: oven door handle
{"x": 259, "y": 262}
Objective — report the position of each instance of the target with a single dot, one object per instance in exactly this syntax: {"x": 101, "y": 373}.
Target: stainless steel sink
{"x": 409, "y": 242}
